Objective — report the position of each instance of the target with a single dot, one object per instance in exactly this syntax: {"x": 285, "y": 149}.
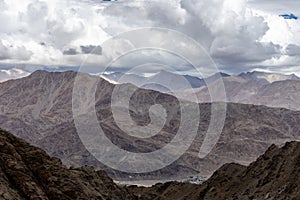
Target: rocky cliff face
{"x": 27, "y": 172}
{"x": 38, "y": 108}
{"x": 274, "y": 175}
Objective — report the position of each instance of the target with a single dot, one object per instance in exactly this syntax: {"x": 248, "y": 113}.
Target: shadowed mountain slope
{"x": 274, "y": 175}
{"x": 27, "y": 172}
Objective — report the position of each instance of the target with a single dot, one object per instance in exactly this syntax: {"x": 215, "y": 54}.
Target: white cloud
{"x": 11, "y": 52}
{"x": 239, "y": 34}
{"x": 281, "y": 31}
{"x": 45, "y": 28}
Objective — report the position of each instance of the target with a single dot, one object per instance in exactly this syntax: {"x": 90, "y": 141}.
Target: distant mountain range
{"x": 13, "y": 73}
{"x": 195, "y": 82}
{"x": 154, "y": 82}
{"x": 258, "y": 88}
{"x": 38, "y": 108}
{"x": 268, "y": 77}
{"x": 161, "y": 80}
{"x": 273, "y": 90}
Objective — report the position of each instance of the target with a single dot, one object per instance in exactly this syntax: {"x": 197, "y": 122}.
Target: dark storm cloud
{"x": 91, "y": 49}
{"x": 88, "y": 49}
{"x": 293, "y": 50}
{"x": 71, "y": 52}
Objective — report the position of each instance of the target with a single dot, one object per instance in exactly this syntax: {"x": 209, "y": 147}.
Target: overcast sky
{"x": 239, "y": 35}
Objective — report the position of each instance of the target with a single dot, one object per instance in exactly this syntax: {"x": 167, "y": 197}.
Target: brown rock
{"x": 27, "y": 172}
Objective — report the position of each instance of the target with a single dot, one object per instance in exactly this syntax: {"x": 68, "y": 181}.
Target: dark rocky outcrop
{"x": 274, "y": 175}
{"x": 27, "y": 172}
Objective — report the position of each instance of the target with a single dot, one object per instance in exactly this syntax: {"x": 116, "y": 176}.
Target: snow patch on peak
{"x": 109, "y": 80}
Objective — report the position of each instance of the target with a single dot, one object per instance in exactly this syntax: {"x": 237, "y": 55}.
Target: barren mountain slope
{"x": 274, "y": 175}
{"x": 38, "y": 108}
{"x": 283, "y": 93}
{"x": 27, "y": 172}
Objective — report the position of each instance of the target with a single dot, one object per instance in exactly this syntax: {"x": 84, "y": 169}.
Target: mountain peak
{"x": 39, "y": 72}
{"x": 45, "y": 72}
{"x": 267, "y": 76}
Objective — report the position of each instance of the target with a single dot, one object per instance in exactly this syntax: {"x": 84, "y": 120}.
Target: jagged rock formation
{"x": 27, "y": 172}
{"x": 38, "y": 108}
{"x": 274, "y": 175}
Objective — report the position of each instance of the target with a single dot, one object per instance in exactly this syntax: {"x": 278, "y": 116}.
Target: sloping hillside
{"x": 27, "y": 172}
{"x": 274, "y": 175}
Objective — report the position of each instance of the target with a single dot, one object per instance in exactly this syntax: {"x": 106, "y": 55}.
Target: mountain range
{"x": 159, "y": 80}
{"x": 27, "y": 172}
{"x": 38, "y": 108}
{"x": 255, "y": 88}
{"x": 258, "y": 88}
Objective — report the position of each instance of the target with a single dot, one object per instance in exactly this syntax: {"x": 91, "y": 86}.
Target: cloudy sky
{"x": 239, "y": 35}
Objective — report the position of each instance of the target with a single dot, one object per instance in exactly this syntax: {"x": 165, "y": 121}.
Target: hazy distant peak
{"x": 13, "y": 73}
{"x": 166, "y": 73}
{"x": 269, "y": 77}
{"x": 217, "y": 75}
{"x": 224, "y": 74}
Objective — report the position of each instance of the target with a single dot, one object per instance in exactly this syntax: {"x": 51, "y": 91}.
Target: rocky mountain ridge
{"x": 27, "y": 172}
{"x": 257, "y": 91}
{"x": 38, "y": 108}
{"x": 274, "y": 175}
{"x": 258, "y": 88}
